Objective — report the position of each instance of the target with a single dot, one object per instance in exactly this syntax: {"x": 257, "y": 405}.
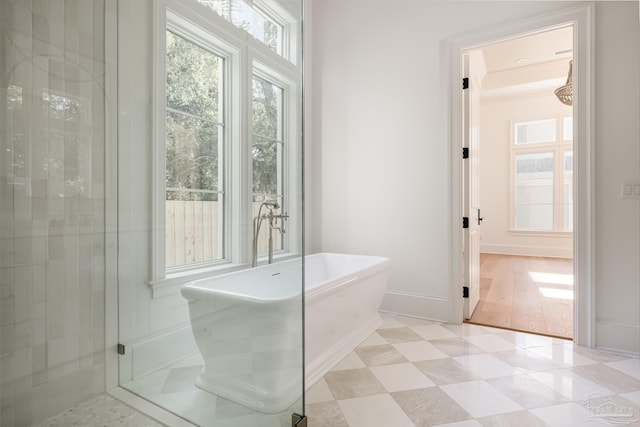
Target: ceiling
{"x": 530, "y": 50}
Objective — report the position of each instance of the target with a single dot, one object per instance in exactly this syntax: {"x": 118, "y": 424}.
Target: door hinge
{"x": 465, "y": 222}
{"x": 121, "y": 349}
{"x": 465, "y": 152}
{"x": 465, "y": 83}
{"x": 298, "y": 420}
{"x": 465, "y": 292}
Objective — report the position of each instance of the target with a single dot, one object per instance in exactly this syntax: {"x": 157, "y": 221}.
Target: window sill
{"x": 540, "y": 233}
{"x": 172, "y": 283}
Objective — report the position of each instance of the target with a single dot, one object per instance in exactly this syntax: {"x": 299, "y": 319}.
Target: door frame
{"x": 582, "y": 20}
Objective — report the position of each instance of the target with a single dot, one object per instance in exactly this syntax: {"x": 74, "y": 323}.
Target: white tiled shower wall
{"x": 52, "y": 197}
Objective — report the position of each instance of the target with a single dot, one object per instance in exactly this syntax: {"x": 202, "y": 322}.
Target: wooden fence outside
{"x": 193, "y": 234}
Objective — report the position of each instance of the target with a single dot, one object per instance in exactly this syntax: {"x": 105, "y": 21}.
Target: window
{"x": 218, "y": 128}
{"x": 194, "y": 209}
{"x": 267, "y": 149}
{"x": 542, "y": 177}
{"x": 270, "y": 25}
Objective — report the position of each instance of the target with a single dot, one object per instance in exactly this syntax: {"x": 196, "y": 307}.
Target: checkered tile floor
{"x": 415, "y": 373}
{"x": 412, "y": 372}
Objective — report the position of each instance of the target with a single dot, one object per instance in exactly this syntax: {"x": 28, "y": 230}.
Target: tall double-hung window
{"x": 194, "y": 161}
{"x": 542, "y": 178}
{"x": 226, "y": 116}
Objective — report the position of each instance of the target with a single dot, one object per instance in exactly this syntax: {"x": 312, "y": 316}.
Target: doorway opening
{"x": 580, "y": 18}
{"x": 519, "y": 134}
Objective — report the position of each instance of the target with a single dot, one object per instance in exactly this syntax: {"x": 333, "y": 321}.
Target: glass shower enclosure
{"x": 209, "y": 208}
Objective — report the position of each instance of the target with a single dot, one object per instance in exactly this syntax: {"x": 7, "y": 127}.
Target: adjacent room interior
{"x": 525, "y": 184}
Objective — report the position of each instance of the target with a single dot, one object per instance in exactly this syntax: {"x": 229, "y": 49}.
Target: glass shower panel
{"x": 202, "y": 333}
{"x": 53, "y": 186}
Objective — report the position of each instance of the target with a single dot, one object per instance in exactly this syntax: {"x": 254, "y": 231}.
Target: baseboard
{"x": 421, "y": 306}
{"x": 617, "y": 336}
{"x": 521, "y": 250}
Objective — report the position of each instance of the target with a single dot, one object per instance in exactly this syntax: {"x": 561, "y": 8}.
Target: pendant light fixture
{"x": 565, "y": 93}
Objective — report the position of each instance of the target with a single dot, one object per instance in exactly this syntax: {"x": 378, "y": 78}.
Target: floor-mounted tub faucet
{"x": 273, "y": 225}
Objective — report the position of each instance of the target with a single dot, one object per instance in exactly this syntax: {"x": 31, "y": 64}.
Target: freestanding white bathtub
{"x": 248, "y": 328}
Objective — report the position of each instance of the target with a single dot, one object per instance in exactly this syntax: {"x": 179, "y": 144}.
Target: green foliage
{"x": 194, "y": 131}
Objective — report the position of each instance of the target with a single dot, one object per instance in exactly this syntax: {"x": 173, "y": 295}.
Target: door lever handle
{"x": 480, "y": 218}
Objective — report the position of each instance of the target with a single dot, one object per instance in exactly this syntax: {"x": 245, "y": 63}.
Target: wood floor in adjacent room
{"x": 531, "y": 294}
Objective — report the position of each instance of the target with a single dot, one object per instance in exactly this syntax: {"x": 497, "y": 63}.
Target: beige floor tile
{"x": 325, "y": 414}
{"x": 380, "y": 355}
{"x": 430, "y": 407}
{"x": 397, "y": 335}
{"x": 608, "y": 377}
{"x": 420, "y": 350}
{"x": 353, "y": 383}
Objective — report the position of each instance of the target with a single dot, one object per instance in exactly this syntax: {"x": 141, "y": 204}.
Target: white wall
{"x": 617, "y": 157}
{"x": 380, "y": 117}
{"x": 497, "y": 114}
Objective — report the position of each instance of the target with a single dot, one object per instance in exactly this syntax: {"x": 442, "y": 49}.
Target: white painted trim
{"x": 417, "y": 306}
{"x": 581, "y": 17}
{"x": 618, "y": 336}
{"x": 148, "y": 408}
{"x": 522, "y": 250}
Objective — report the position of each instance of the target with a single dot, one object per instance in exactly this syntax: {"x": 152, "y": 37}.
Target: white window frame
{"x": 558, "y": 147}
{"x": 243, "y": 57}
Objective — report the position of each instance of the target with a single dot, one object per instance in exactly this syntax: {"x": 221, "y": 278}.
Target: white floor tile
{"x": 433, "y": 332}
{"x": 561, "y": 355}
{"x": 564, "y": 415}
{"x": 570, "y": 385}
{"x": 629, "y": 366}
{"x": 487, "y": 366}
{"x": 401, "y": 377}
{"x": 379, "y": 410}
{"x": 419, "y": 350}
{"x": 319, "y": 393}
{"x": 490, "y": 343}
{"x": 466, "y": 423}
{"x": 633, "y": 397}
{"x": 351, "y": 361}
{"x": 390, "y": 322}
{"x": 373, "y": 339}
{"x": 480, "y": 399}
{"x": 529, "y": 340}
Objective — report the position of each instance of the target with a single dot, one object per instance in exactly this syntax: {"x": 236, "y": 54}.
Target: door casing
{"x": 582, "y": 20}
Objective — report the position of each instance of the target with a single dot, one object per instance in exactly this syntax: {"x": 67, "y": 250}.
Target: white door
{"x": 470, "y": 204}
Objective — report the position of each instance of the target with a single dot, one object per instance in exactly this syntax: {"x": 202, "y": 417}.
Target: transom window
{"x": 542, "y": 177}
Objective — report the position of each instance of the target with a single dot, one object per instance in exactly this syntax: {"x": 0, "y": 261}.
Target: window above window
{"x": 267, "y": 22}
